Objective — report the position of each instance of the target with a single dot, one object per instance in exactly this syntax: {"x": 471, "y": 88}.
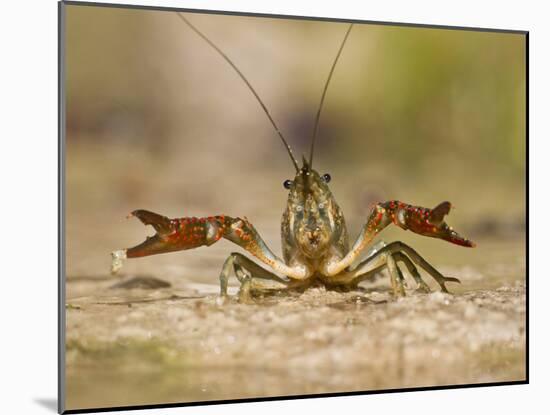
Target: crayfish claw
{"x": 438, "y": 213}
{"x": 457, "y": 239}
{"x": 424, "y": 221}
{"x": 161, "y": 223}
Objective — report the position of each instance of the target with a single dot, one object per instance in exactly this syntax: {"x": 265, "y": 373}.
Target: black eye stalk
{"x": 287, "y": 184}
{"x": 326, "y": 177}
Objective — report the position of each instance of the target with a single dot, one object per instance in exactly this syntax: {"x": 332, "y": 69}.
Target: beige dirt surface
{"x": 161, "y": 337}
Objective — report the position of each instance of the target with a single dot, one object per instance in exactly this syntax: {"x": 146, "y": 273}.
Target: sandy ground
{"x": 160, "y": 335}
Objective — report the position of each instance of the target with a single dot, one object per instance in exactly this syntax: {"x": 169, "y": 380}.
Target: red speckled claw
{"x": 184, "y": 233}
{"x": 455, "y": 238}
{"x": 173, "y": 234}
{"x": 427, "y": 222}
{"x": 189, "y": 232}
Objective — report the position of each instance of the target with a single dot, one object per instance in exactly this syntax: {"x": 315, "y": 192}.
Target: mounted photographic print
{"x": 261, "y": 207}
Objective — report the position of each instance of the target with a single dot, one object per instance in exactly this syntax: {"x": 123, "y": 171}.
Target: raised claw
{"x": 176, "y": 234}
{"x": 424, "y": 221}
{"x": 189, "y": 232}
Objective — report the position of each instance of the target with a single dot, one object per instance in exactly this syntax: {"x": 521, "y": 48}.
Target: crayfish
{"x": 315, "y": 240}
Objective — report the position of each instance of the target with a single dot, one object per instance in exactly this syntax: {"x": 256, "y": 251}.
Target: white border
{"x": 29, "y": 202}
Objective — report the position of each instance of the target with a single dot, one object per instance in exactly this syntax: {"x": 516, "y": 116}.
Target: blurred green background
{"x": 157, "y": 120}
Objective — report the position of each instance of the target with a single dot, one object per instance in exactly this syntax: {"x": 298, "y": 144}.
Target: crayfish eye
{"x": 326, "y": 177}
{"x": 287, "y": 184}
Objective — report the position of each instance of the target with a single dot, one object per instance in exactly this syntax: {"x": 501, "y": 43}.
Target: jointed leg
{"x": 398, "y": 257}
{"x": 365, "y": 270}
{"x": 398, "y": 246}
{"x": 386, "y": 257}
{"x": 401, "y": 257}
{"x": 251, "y": 276}
{"x": 368, "y": 268}
{"x": 396, "y": 278}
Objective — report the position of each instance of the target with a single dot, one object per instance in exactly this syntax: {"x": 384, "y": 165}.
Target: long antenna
{"x": 316, "y": 127}
{"x": 198, "y": 32}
